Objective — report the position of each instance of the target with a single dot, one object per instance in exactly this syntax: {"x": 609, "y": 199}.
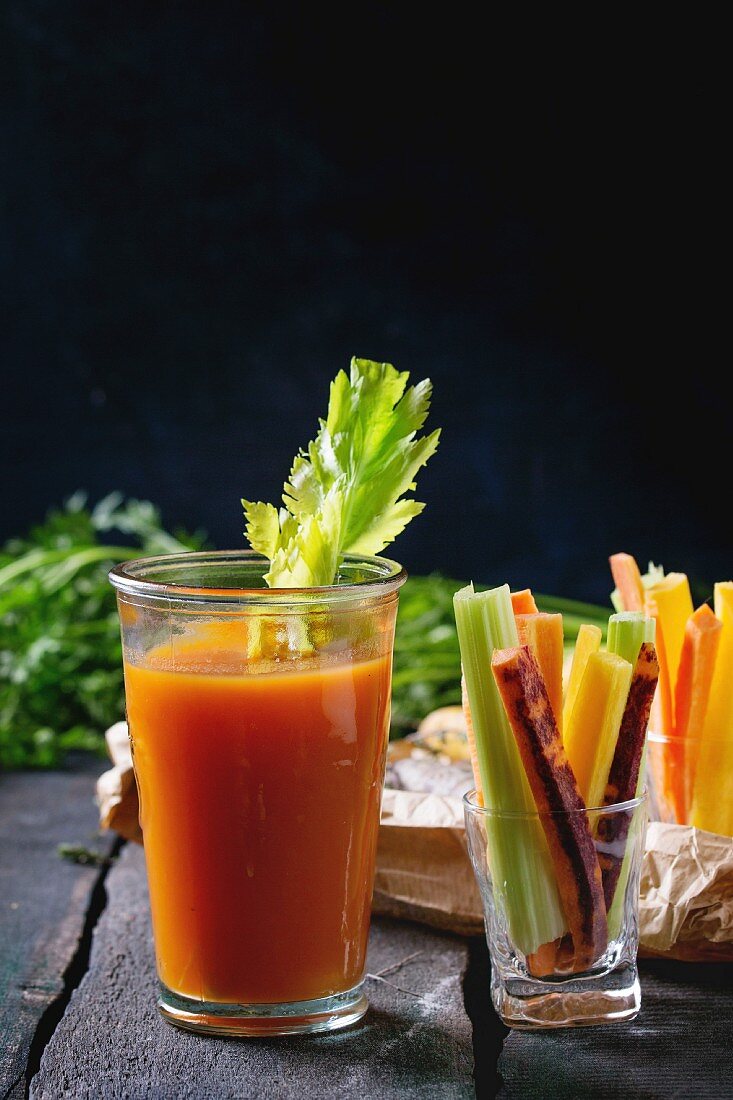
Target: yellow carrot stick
{"x": 712, "y": 803}
{"x": 592, "y": 731}
{"x": 627, "y": 578}
{"x": 587, "y": 642}
{"x": 692, "y": 694}
{"x": 523, "y": 603}
{"x": 543, "y": 634}
{"x": 670, "y": 603}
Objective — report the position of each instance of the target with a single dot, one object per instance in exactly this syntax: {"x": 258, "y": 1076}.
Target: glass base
{"x": 290, "y": 1018}
{"x": 580, "y": 1002}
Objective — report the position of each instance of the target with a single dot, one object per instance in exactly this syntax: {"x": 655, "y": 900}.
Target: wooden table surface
{"x": 78, "y": 1018}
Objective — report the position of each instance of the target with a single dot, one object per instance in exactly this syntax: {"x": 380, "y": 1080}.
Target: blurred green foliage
{"x": 60, "y": 653}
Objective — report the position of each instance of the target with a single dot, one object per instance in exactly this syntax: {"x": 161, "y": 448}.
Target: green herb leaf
{"x": 60, "y": 654}
{"x": 79, "y": 853}
{"x": 346, "y": 493}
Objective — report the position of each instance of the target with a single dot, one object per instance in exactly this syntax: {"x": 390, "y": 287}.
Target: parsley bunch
{"x": 60, "y": 654}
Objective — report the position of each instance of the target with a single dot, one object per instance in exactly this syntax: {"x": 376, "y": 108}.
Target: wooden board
{"x": 416, "y": 1040}
{"x": 44, "y": 901}
{"x": 680, "y": 1045}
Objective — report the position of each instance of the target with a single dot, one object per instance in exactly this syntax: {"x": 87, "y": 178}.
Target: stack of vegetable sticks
{"x": 535, "y": 752}
{"x": 694, "y": 705}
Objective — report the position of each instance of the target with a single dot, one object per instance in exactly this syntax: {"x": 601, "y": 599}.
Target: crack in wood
{"x": 13, "y": 1086}
{"x": 396, "y": 966}
{"x": 72, "y": 976}
{"x": 392, "y": 985}
{"x": 379, "y": 976}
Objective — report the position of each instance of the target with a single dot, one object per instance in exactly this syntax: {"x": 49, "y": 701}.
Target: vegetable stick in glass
{"x": 543, "y": 634}
{"x": 694, "y": 683}
{"x": 592, "y": 733}
{"x": 627, "y": 578}
{"x": 627, "y": 630}
{"x": 670, "y": 603}
{"x": 523, "y": 603}
{"x": 712, "y": 804}
{"x": 588, "y": 641}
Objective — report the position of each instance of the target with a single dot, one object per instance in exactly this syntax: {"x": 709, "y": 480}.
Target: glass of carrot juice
{"x": 258, "y": 721}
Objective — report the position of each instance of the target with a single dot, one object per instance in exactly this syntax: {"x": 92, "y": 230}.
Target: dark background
{"x": 208, "y": 208}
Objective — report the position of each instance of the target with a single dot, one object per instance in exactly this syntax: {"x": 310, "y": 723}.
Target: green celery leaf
{"x": 346, "y": 493}
{"x": 263, "y": 527}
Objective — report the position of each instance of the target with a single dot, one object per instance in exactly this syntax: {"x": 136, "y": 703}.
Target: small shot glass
{"x": 540, "y": 986}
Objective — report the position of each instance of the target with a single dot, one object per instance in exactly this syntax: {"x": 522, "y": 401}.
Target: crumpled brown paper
{"x": 423, "y": 870}
{"x": 424, "y": 874}
{"x": 116, "y": 788}
{"x": 686, "y": 904}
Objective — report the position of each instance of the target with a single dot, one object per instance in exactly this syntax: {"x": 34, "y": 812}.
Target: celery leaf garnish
{"x": 347, "y": 492}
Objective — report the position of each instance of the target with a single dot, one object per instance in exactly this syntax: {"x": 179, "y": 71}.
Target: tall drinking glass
{"x": 259, "y": 723}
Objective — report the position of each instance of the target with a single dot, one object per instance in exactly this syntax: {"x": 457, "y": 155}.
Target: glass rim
{"x": 471, "y": 806}
{"x": 658, "y": 738}
{"x": 129, "y": 578}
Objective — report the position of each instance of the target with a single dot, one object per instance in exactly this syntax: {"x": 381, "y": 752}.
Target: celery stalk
{"x": 521, "y": 868}
{"x": 626, "y": 632}
{"x": 616, "y": 912}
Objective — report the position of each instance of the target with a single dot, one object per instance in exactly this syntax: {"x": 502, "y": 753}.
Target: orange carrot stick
{"x": 544, "y": 960}
{"x": 627, "y": 578}
{"x": 692, "y": 691}
{"x": 523, "y": 603}
{"x": 543, "y": 634}
{"x": 662, "y": 718}
{"x": 666, "y": 765}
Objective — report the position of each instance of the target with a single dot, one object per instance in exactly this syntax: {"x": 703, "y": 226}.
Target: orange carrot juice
{"x": 260, "y": 793}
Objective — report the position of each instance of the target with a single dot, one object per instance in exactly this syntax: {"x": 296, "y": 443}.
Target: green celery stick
{"x": 616, "y": 912}
{"x": 519, "y": 858}
{"x": 626, "y": 632}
